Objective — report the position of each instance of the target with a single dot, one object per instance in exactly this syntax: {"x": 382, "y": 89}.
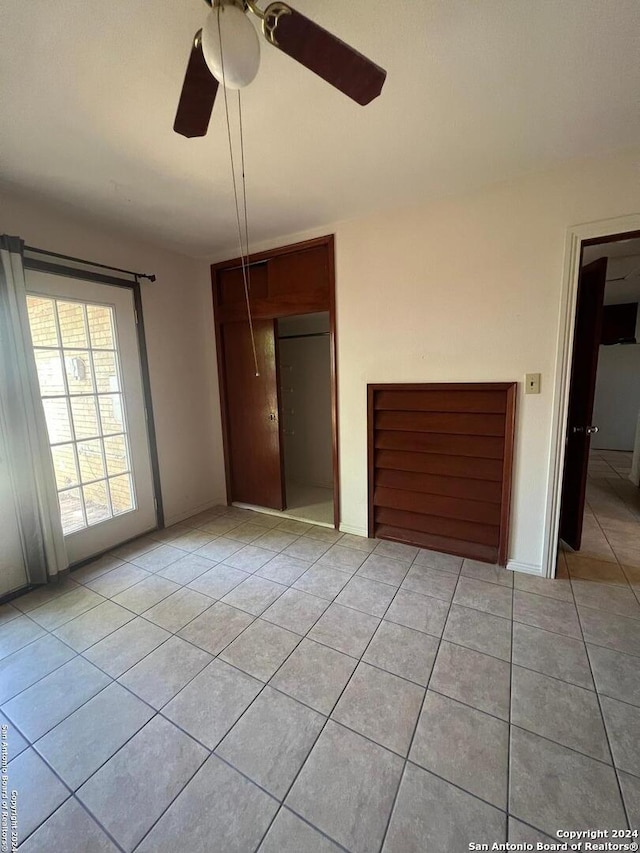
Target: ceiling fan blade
{"x": 198, "y": 94}
{"x": 323, "y": 53}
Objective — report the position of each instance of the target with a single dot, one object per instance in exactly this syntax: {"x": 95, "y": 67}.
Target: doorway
{"x": 88, "y": 362}
{"x": 304, "y": 349}
{"x": 600, "y": 508}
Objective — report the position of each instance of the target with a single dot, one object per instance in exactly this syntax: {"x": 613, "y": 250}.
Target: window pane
{"x": 111, "y": 415}
{"x": 72, "y": 328}
{"x": 78, "y": 367}
{"x": 42, "y": 321}
{"x": 49, "y": 366}
{"x": 57, "y": 416}
{"x": 96, "y": 501}
{"x": 100, "y": 326}
{"x": 121, "y": 494}
{"x": 106, "y": 371}
{"x": 64, "y": 464}
{"x": 115, "y": 450}
{"x": 85, "y": 417}
{"x": 90, "y": 460}
{"x": 71, "y": 511}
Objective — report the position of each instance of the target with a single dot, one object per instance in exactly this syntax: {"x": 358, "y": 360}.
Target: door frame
{"x": 577, "y": 236}
{"x": 262, "y": 257}
{"x": 100, "y": 278}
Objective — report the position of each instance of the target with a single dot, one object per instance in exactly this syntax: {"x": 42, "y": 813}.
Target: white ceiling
{"x": 623, "y": 269}
{"x": 478, "y": 91}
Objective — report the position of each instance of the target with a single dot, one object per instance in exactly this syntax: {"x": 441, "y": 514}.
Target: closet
{"x": 279, "y": 426}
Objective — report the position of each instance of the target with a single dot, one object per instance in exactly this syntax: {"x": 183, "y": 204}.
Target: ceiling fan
{"x": 300, "y": 38}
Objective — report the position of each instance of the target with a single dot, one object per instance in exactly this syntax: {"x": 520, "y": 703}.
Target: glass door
{"x": 86, "y": 350}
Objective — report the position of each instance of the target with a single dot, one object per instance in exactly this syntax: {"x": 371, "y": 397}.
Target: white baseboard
{"x": 355, "y": 531}
{"x": 527, "y": 568}
{"x": 181, "y": 516}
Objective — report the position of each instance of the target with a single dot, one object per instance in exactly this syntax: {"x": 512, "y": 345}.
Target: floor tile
{"x": 346, "y": 788}
{"x": 548, "y": 613}
{"x": 380, "y": 706}
{"x": 631, "y": 794}
{"x": 43, "y": 594}
{"x": 126, "y": 646}
{"x": 82, "y": 743}
{"x": 18, "y": 633}
{"x": 247, "y": 532}
{"x": 71, "y": 829}
{"x": 218, "y": 581}
{"x": 485, "y": 572}
{"x": 520, "y": 833}
{"x": 221, "y": 525}
{"x": 178, "y": 609}
{"x": 136, "y": 548}
{"x": 346, "y": 630}
{"x": 289, "y": 834}
{"x": 595, "y": 570}
{"x": 8, "y": 613}
{"x": 154, "y": 766}
{"x": 254, "y": 595}
{"x": 345, "y": 559}
{"x": 481, "y": 595}
{"x": 12, "y": 739}
{"x": 551, "y": 654}
{"x": 65, "y": 608}
{"x": 614, "y": 632}
{"x": 271, "y": 741}
{"x": 166, "y": 534}
{"x": 211, "y": 703}
{"x": 324, "y": 534}
{"x": 39, "y": 791}
{"x": 275, "y": 540}
{"x": 290, "y": 525}
{"x": 219, "y": 810}
{"x": 96, "y": 568}
{"x": 164, "y": 672}
{"x": 191, "y": 540}
{"x": 562, "y": 712}
{"x": 557, "y": 587}
{"x": 623, "y": 727}
{"x": 43, "y": 705}
{"x": 261, "y": 649}
{"x": 219, "y": 549}
{"x": 552, "y": 786}
{"x": 421, "y": 612}
{"x": 613, "y": 599}
{"x": 430, "y": 814}
{"x": 117, "y": 580}
{"x": 283, "y": 569}
{"x": 397, "y": 551}
{"x": 463, "y": 746}
{"x": 473, "y": 678}
{"x": 616, "y": 674}
{"x": 94, "y": 625}
{"x": 402, "y": 651}
{"x": 250, "y": 558}
{"x": 145, "y": 594}
{"x": 26, "y": 666}
{"x": 358, "y": 543}
{"x": 479, "y": 630}
{"x": 216, "y": 627}
{"x": 315, "y": 675}
{"x": 322, "y": 581}
{"x": 159, "y": 558}
{"x": 428, "y": 581}
{"x": 384, "y": 569}
{"x": 442, "y": 562}
{"x": 296, "y": 610}
{"x": 265, "y": 520}
{"x": 187, "y": 569}
{"x": 369, "y": 596}
{"x": 307, "y": 549}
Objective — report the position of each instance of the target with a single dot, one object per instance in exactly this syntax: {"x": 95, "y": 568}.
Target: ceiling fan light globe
{"x": 240, "y": 44}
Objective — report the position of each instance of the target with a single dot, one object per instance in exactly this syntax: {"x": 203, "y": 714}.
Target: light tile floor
{"x": 239, "y": 683}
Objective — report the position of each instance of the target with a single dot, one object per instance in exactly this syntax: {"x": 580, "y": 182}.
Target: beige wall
{"x": 180, "y": 345}
{"x": 467, "y": 290}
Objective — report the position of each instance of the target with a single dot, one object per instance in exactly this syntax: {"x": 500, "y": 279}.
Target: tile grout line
{"x": 510, "y": 724}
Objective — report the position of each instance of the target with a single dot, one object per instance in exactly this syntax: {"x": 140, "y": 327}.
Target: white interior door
{"x": 86, "y": 348}
{"x": 12, "y": 569}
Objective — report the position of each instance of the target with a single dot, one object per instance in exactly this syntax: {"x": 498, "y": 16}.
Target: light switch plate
{"x": 532, "y": 383}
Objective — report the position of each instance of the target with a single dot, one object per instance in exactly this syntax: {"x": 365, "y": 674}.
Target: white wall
{"x": 617, "y": 401}
{"x": 180, "y": 344}
{"x": 466, "y": 290}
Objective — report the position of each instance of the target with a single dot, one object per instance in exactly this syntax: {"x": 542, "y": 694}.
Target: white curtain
{"x": 634, "y": 476}
{"x": 25, "y": 427}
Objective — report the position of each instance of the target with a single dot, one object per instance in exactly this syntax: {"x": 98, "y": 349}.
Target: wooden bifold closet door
{"x": 440, "y": 464}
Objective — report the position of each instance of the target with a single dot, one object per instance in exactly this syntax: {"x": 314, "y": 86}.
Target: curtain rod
{"x": 88, "y": 263}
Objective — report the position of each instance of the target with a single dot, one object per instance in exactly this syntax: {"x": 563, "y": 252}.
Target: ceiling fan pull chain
{"x": 243, "y": 260}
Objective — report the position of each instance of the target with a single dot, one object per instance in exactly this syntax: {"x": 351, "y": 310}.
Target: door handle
{"x": 592, "y": 430}
{"x": 273, "y": 416}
